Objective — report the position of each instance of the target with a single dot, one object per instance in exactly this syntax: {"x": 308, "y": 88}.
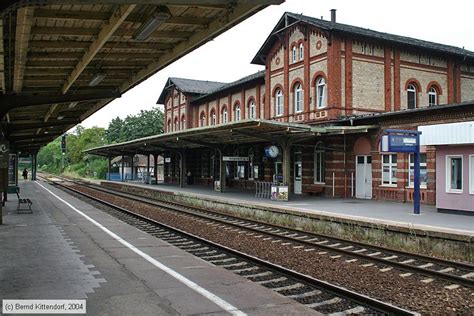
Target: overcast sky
{"x": 227, "y": 58}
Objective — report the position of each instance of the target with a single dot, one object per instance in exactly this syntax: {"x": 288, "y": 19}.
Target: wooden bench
{"x": 314, "y": 189}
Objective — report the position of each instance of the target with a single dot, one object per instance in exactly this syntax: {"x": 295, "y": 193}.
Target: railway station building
{"x": 314, "y": 117}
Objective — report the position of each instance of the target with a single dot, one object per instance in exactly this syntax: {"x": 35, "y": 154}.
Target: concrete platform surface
{"x": 380, "y": 212}
{"x": 75, "y": 251}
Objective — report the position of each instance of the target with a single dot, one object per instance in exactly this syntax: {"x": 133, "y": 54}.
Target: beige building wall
{"x": 424, "y": 77}
{"x": 277, "y": 60}
{"x": 315, "y": 48}
{"x": 467, "y": 87}
{"x": 368, "y": 84}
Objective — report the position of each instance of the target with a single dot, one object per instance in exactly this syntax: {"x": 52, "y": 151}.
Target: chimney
{"x": 333, "y": 15}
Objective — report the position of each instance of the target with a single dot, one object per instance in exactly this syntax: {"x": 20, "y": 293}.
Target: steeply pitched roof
{"x": 191, "y": 86}
{"x": 258, "y": 75}
{"x": 289, "y": 18}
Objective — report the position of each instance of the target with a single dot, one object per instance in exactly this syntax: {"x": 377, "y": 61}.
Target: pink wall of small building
{"x": 453, "y": 201}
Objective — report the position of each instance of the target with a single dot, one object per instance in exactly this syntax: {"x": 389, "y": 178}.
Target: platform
{"x": 58, "y": 253}
{"x": 392, "y": 214}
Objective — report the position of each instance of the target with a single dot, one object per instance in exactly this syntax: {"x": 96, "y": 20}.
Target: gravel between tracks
{"x": 387, "y": 286}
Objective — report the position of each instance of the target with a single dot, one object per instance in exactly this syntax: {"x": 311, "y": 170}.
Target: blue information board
{"x": 402, "y": 143}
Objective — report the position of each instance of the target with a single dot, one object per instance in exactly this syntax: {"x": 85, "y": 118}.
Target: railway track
{"x": 454, "y": 273}
{"x": 316, "y": 294}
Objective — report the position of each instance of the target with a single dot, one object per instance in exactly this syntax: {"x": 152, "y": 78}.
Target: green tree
{"x": 146, "y": 123}
{"x": 115, "y": 131}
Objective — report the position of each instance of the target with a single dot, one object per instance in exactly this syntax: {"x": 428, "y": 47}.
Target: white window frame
{"x": 319, "y": 163}
{"x": 298, "y": 98}
{"x": 293, "y": 54}
{"x": 448, "y": 174}
{"x": 183, "y": 123}
{"x": 301, "y": 51}
{"x": 213, "y": 118}
{"x": 411, "y": 89}
{"x": 320, "y": 93}
{"x": 411, "y": 168}
{"x": 278, "y": 103}
{"x": 390, "y": 170}
{"x": 432, "y": 92}
{"x": 236, "y": 113}
{"x": 251, "y": 109}
{"x": 225, "y": 117}
{"x": 471, "y": 174}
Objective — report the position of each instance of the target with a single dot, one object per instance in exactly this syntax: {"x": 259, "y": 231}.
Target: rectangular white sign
{"x": 44, "y": 307}
{"x": 234, "y": 158}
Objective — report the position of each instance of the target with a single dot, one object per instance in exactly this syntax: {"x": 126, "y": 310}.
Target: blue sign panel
{"x": 402, "y": 143}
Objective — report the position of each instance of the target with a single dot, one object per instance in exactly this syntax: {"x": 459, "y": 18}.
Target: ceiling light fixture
{"x": 161, "y": 15}
{"x": 97, "y": 79}
{"x": 72, "y": 105}
{"x": 60, "y": 117}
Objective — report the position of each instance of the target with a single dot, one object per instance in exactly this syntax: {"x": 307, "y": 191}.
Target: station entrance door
{"x": 364, "y": 177}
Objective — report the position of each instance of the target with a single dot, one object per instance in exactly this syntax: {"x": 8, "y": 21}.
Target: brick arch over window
{"x": 251, "y": 98}
{"x": 202, "y": 118}
{"x": 275, "y": 88}
{"x": 224, "y": 107}
{"x": 211, "y": 113}
{"x": 295, "y": 82}
{"x": 316, "y": 76}
{"x": 436, "y": 85}
{"x": 414, "y": 82}
{"x": 235, "y": 104}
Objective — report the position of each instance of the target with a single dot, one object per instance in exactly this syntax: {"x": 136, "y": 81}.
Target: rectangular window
{"x": 318, "y": 166}
{"x": 389, "y": 169}
{"x": 423, "y": 174}
{"x": 279, "y": 104}
{"x": 239, "y": 171}
{"x": 454, "y": 174}
{"x": 471, "y": 174}
{"x": 299, "y": 101}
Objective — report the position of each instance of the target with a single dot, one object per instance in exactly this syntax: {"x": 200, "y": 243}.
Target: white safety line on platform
{"x": 210, "y": 296}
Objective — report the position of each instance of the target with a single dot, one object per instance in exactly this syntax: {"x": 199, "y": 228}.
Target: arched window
{"x": 224, "y": 116}
{"x": 176, "y": 124}
{"x": 202, "y": 120}
{"x": 411, "y": 96}
{"x": 301, "y": 51}
{"x": 251, "y": 109}
{"x": 320, "y": 92}
{"x": 183, "y": 122}
{"x": 433, "y": 96}
{"x": 278, "y": 103}
{"x": 213, "y": 118}
{"x": 319, "y": 163}
{"x": 293, "y": 54}
{"x": 237, "y": 112}
{"x": 298, "y": 98}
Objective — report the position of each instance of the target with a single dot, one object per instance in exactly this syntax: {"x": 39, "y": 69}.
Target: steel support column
{"x": 148, "y": 168}
{"x": 123, "y": 167}
{"x": 182, "y": 168}
{"x": 222, "y": 169}
{"x": 132, "y": 166}
{"x": 109, "y": 161}
{"x": 286, "y": 155}
{"x": 34, "y": 166}
{"x": 155, "y": 166}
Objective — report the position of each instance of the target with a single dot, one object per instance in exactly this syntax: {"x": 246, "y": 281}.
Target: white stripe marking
{"x": 210, "y": 296}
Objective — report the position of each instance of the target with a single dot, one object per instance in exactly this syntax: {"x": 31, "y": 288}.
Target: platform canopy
{"x": 62, "y": 60}
{"x": 235, "y": 133}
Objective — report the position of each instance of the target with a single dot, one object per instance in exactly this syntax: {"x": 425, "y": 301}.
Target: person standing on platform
{"x": 25, "y": 174}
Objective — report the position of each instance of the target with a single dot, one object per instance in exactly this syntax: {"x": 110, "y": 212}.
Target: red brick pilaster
{"x": 218, "y": 111}
{"x": 243, "y": 105}
{"x": 179, "y": 111}
{"x": 334, "y": 77}
{"x": 307, "y": 79}
{"x": 457, "y": 83}
{"x": 208, "y": 119}
{"x": 450, "y": 71}
{"x": 388, "y": 78}
{"x": 396, "y": 80}
{"x": 348, "y": 76}
{"x": 230, "y": 109}
{"x": 257, "y": 102}
{"x": 172, "y": 110}
{"x": 286, "y": 84}
{"x": 268, "y": 85}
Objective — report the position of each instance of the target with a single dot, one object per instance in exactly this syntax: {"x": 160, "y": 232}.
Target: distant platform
{"x": 391, "y": 214}
{"x": 61, "y": 251}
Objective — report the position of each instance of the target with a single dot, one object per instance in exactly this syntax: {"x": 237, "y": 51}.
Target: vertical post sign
{"x": 405, "y": 141}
